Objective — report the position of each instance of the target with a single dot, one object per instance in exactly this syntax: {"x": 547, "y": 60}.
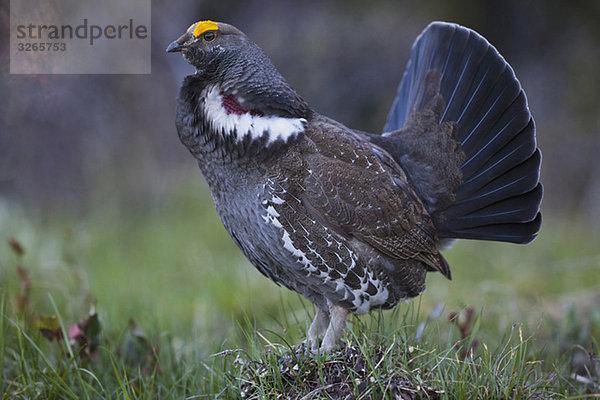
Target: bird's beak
{"x": 179, "y": 44}
{"x": 174, "y": 46}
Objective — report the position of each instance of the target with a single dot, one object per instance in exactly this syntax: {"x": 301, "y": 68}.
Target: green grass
{"x": 182, "y": 314}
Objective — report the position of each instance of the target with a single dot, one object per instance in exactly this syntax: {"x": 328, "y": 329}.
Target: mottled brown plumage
{"x": 352, "y": 220}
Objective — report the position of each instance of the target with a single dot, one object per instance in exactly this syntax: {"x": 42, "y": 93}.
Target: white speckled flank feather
{"x": 241, "y": 125}
{"x": 311, "y": 261}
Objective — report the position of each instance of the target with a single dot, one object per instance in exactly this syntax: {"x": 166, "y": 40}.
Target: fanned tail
{"x": 499, "y": 194}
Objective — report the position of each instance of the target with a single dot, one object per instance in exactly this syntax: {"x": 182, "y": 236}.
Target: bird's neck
{"x": 230, "y": 115}
{"x": 219, "y": 124}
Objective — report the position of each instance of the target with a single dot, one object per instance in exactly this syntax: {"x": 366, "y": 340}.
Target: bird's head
{"x": 242, "y": 93}
{"x": 208, "y": 43}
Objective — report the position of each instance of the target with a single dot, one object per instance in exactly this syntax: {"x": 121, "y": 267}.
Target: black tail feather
{"x": 492, "y": 132}
{"x": 519, "y": 180}
{"x": 477, "y": 173}
{"x": 500, "y": 193}
{"x": 518, "y": 208}
{"x": 521, "y": 233}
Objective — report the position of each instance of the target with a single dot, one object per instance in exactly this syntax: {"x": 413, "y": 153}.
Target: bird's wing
{"x": 357, "y": 190}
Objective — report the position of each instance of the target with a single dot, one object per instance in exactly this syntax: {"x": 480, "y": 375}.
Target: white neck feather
{"x": 241, "y": 125}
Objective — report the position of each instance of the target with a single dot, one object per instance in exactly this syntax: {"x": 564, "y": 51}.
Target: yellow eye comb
{"x": 203, "y": 26}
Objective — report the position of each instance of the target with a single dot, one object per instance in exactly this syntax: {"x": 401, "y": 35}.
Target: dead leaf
{"x": 16, "y": 246}
{"x": 137, "y": 349}
{"x": 85, "y": 336}
{"x": 49, "y": 327}
{"x": 22, "y": 299}
{"x": 464, "y": 320}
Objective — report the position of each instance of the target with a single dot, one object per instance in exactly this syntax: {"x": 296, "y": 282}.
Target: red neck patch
{"x": 233, "y": 106}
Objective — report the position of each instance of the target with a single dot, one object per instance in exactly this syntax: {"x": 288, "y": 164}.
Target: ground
{"x": 160, "y": 303}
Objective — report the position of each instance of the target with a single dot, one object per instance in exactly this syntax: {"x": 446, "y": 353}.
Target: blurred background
{"x": 64, "y": 138}
{"x": 79, "y": 145}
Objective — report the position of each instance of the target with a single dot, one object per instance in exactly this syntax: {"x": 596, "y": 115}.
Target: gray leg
{"x": 317, "y": 329}
{"x": 336, "y": 328}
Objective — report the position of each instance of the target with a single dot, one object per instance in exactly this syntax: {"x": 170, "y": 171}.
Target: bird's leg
{"x": 317, "y": 329}
{"x": 336, "y": 328}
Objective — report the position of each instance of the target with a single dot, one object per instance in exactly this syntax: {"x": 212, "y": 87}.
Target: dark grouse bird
{"x": 352, "y": 220}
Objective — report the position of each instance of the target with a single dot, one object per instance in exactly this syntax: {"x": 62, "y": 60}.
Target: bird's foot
{"x": 317, "y": 330}
{"x": 335, "y": 330}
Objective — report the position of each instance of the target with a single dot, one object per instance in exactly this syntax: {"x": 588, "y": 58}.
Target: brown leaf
{"x": 85, "y": 336}
{"x": 464, "y": 320}
{"x": 22, "y": 299}
{"x": 138, "y": 350}
{"x": 49, "y": 327}
{"x": 16, "y": 246}
{"x": 24, "y": 277}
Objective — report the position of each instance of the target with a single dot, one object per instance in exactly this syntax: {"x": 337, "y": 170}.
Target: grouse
{"x": 353, "y": 220}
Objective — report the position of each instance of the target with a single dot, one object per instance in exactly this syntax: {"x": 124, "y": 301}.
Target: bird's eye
{"x": 209, "y": 36}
